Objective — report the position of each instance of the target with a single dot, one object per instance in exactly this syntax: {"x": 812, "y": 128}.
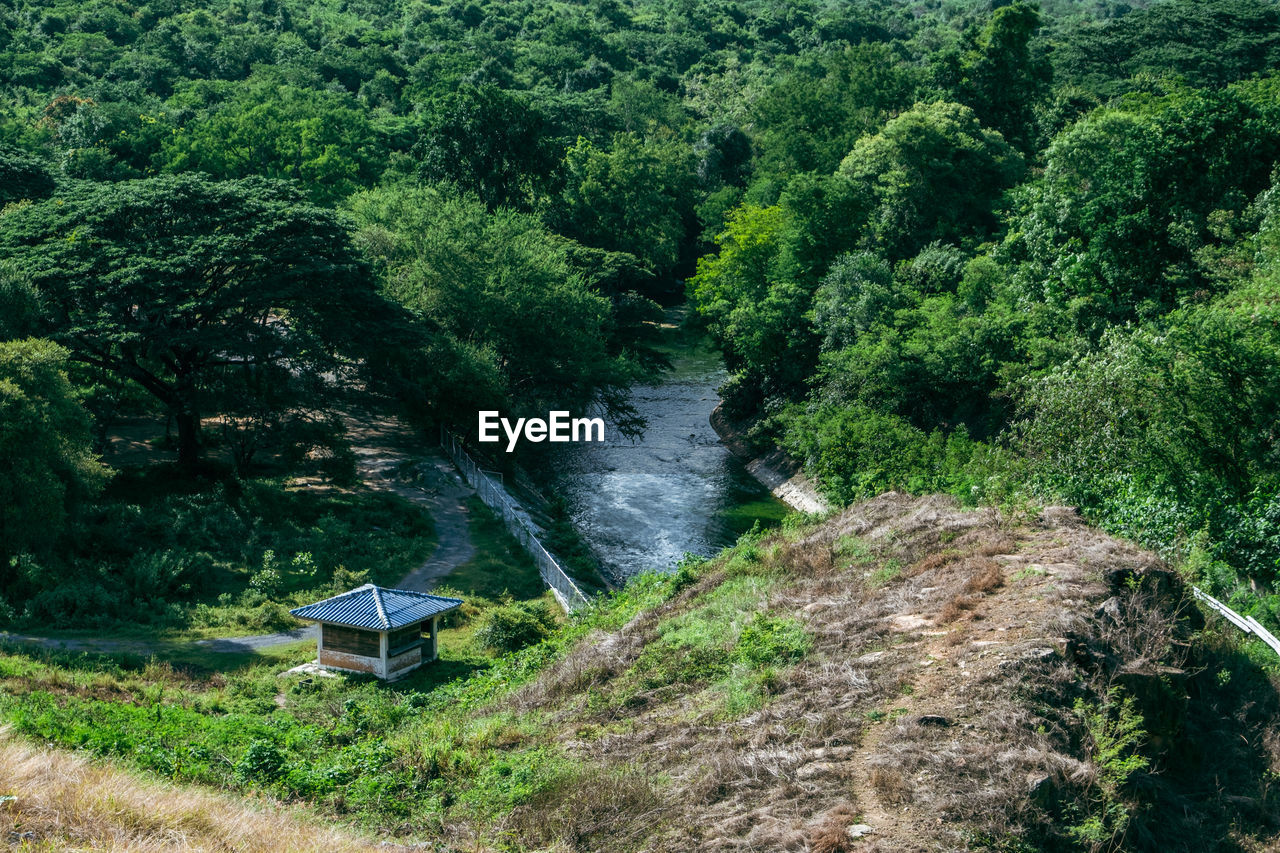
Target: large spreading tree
{"x": 233, "y": 298}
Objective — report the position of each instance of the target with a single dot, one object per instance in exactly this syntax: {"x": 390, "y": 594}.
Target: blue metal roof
{"x": 377, "y": 609}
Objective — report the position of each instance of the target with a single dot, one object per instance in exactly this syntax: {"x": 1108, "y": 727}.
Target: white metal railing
{"x": 517, "y": 521}
{"x": 1245, "y": 623}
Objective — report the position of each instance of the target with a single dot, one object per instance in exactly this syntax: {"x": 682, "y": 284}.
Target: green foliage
{"x": 893, "y": 309}
{"x": 272, "y": 127}
{"x": 19, "y": 306}
{"x": 22, "y": 177}
{"x": 664, "y": 665}
{"x": 756, "y": 313}
{"x": 856, "y": 294}
{"x": 808, "y": 120}
{"x": 687, "y": 572}
{"x": 261, "y": 762}
{"x": 162, "y": 552}
{"x": 489, "y": 143}
{"x": 857, "y": 453}
{"x": 522, "y": 332}
{"x": 1207, "y": 43}
{"x": 367, "y": 751}
{"x": 1129, "y": 215}
{"x": 514, "y": 626}
{"x": 935, "y": 173}
{"x": 1003, "y": 75}
{"x": 884, "y": 574}
{"x": 633, "y": 197}
{"x": 771, "y": 640}
{"x": 267, "y": 580}
{"x": 249, "y": 294}
{"x": 47, "y": 470}
{"x": 1116, "y": 735}
{"x": 1165, "y": 433}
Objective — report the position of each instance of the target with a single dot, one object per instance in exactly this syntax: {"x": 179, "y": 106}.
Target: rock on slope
{"x": 967, "y": 682}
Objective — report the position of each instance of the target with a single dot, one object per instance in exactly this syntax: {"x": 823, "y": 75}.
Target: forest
{"x": 1016, "y": 253}
{"x": 968, "y": 263}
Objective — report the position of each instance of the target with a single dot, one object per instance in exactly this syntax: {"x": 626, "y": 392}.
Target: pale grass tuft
{"x": 67, "y": 802}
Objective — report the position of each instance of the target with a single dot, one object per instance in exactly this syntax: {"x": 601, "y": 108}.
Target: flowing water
{"x": 643, "y": 504}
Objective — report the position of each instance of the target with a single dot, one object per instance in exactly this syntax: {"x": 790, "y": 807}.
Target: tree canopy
{"x": 186, "y": 286}
{"x": 1014, "y": 251}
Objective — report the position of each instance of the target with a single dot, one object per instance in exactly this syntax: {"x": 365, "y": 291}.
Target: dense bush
{"x": 857, "y": 452}
{"x": 512, "y": 627}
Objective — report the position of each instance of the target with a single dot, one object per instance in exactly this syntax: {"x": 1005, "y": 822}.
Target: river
{"x": 643, "y": 504}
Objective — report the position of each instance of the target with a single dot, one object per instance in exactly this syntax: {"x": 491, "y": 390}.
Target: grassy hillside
{"x": 53, "y": 801}
{"x": 953, "y": 679}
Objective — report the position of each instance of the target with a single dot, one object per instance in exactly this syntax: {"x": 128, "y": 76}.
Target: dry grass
{"x": 832, "y": 834}
{"x": 987, "y": 577}
{"x": 957, "y": 608}
{"x": 65, "y": 802}
{"x": 891, "y": 785}
{"x": 612, "y": 809}
{"x": 933, "y": 561}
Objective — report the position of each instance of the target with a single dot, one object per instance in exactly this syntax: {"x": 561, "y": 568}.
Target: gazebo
{"x": 384, "y": 632}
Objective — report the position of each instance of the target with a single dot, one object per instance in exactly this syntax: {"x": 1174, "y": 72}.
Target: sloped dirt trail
{"x": 392, "y": 457}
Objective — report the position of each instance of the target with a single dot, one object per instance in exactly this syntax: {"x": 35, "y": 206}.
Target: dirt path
{"x": 81, "y": 644}
{"x": 389, "y": 457}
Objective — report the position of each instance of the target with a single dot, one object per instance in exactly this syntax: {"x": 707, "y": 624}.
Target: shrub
{"x": 1117, "y": 734}
{"x": 987, "y": 579}
{"x": 767, "y": 640}
{"x": 514, "y": 626}
{"x": 856, "y": 452}
{"x": 261, "y": 762}
{"x": 687, "y": 572}
{"x": 267, "y": 580}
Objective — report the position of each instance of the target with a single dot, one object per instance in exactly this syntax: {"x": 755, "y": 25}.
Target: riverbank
{"x": 776, "y": 471}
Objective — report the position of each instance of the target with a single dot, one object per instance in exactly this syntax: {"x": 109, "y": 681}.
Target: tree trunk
{"x": 188, "y": 439}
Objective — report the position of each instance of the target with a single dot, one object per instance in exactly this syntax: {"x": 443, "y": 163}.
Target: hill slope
{"x": 58, "y": 802}
{"x": 958, "y": 681}
{"x": 905, "y": 675}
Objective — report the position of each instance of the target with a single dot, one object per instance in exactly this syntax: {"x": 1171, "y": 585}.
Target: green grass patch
{"x": 501, "y": 566}
{"x": 853, "y": 551}
{"x": 727, "y": 643}
{"x": 1028, "y": 572}
{"x": 884, "y": 574}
